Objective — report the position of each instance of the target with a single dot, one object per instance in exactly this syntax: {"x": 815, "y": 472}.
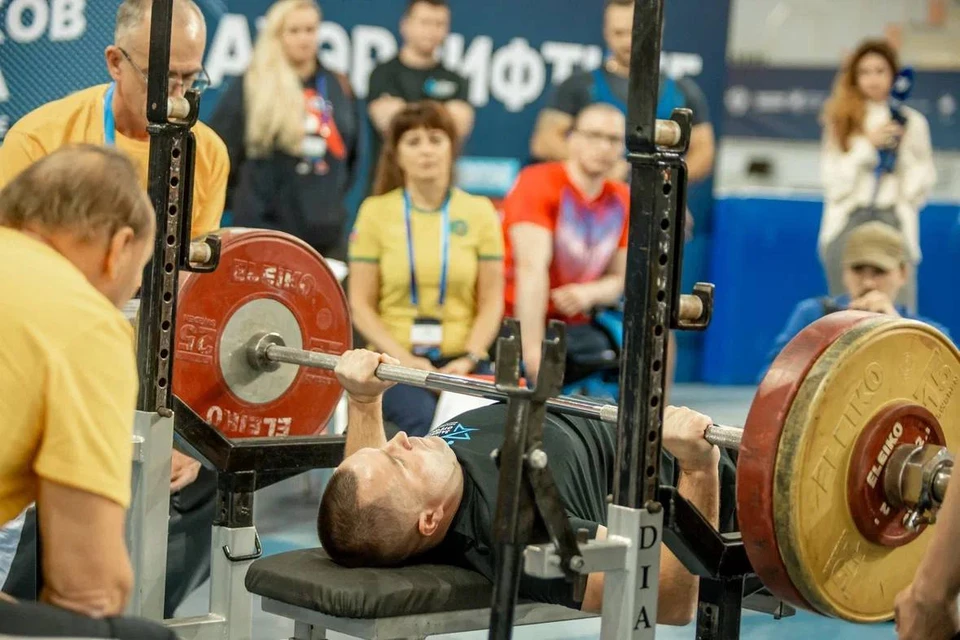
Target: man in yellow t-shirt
{"x": 115, "y": 114}
{"x": 76, "y": 231}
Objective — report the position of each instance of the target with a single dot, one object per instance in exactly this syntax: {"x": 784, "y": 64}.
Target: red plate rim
{"x": 241, "y": 235}
{"x": 756, "y": 463}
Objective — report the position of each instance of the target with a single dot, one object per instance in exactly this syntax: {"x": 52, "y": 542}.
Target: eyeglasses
{"x": 198, "y": 81}
{"x": 595, "y": 137}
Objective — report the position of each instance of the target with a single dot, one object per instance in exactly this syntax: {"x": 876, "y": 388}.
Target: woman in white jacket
{"x": 858, "y": 127}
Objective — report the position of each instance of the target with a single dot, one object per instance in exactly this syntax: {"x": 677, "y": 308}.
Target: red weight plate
{"x": 900, "y": 423}
{"x": 266, "y": 281}
{"x": 761, "y": 437}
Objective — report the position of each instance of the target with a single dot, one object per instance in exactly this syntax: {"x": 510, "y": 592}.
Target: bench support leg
{"x": 307, "y": 631}
{"x": 149, "y": 512}
{"x": 234, "y": 550}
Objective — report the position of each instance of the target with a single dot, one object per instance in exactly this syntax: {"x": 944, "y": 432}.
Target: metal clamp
{"x": 258, "y": 551}
{"x": 916, "y": 478}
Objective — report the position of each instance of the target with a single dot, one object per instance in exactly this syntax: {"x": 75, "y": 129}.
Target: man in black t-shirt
{"x": 433, "y": 499}
{"x": 609, "y": 84}
{"x": 416, "y": 74}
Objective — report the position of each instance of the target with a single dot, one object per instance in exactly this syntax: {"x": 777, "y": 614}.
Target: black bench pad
{"x": 309, "y": 579}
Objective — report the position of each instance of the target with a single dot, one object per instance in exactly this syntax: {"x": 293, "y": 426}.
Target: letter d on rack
{"x": 630, "y": 594}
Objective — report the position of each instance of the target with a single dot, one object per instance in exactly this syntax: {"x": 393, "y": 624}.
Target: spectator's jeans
{"x": 9, "y": 539}
{"x": 411, "y": 409}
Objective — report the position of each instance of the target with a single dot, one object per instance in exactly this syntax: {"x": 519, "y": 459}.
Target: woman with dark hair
{"x": 860, "y": 133}
{"x": 426, "y": 262}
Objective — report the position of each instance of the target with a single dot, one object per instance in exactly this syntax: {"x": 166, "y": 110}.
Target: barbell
{"x": 843, "y": 458}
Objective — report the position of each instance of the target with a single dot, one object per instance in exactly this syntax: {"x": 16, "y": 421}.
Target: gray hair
{"x": 132, "y": 13}
{"x": 87, "y": 190}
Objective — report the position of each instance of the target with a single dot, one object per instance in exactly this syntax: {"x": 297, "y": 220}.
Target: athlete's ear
{"x": 430, "y": 521}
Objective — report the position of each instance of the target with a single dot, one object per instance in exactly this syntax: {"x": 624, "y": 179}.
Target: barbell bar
{"x": 267, "y": 351}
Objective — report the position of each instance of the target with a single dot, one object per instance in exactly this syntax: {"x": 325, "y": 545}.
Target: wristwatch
{"x": 475, "y": 359}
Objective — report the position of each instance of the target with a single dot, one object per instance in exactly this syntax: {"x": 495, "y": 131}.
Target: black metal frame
{"x": 243, "y": 466}
{"x": 171, "y": 160}
{"x": 651, "y": 310}
{"x": 525, "y": 486}
{"x": 654, "y": 262}
{"x": 272, "y": 459}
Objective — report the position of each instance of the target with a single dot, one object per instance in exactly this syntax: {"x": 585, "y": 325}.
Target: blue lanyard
{"x": 444, "y": 249}
{"x": 109, "y": 125}
{"x": 322, "y": 88}
{"x": 326, "y": 106}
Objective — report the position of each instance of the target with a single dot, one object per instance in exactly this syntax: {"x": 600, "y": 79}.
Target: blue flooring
{"x": 286, "y": 520}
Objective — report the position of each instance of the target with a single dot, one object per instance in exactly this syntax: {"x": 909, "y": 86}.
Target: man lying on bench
{"x": 433, "y": 499}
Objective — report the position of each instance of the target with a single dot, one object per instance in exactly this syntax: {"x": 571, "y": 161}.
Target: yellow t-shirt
{"x": 68, "y": 379}
{"x": 380, "y": 236}
{"x": 79, "y": 118}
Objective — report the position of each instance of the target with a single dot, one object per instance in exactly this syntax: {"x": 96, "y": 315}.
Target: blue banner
{"x": 513, "y": 53}
{"x": 778, "y": 102}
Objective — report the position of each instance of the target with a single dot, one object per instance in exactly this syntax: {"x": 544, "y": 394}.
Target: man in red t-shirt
{"x": 565, "y": 229}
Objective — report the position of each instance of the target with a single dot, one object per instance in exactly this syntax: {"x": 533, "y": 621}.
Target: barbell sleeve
{"x": 941, "y": 480}
{"x": 265, "y": 352}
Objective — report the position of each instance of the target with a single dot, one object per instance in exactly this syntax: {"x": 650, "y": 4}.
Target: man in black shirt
{"x": 433, "y": 499}
{"x": 416, "y": 74}
{"x": 609, "y": 84}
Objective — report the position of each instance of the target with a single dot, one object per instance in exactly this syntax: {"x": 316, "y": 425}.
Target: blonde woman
{"x": 291, "y": 128}
{"x": 858, "y": 127}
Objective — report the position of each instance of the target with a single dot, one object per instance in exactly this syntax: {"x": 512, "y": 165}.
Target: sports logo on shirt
{"x": 459, "y": 227}
{"x": 439, "y": 89}
{"x": 452, "y": 432}
{"x": 587, "y": 236}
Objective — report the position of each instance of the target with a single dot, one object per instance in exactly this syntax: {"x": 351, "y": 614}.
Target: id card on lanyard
{"x": 109, "y": 124}
{"x": 426, "y": 334}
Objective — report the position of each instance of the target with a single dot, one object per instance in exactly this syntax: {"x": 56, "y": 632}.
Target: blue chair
{"x": 603, "y": 383}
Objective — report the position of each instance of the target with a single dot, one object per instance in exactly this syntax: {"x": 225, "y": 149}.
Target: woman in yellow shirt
{"x": 426, "y": 262}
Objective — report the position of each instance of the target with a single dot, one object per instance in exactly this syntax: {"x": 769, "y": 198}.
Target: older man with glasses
{"x": 114, "y": 115}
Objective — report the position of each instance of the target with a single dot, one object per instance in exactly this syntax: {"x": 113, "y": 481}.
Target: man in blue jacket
{"x": 874, "y": 270}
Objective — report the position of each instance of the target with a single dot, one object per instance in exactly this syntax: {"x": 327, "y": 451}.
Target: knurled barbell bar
{"x": 842, "y": 459}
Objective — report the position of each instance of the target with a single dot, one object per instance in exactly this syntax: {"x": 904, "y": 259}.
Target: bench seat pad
{"x": 309, "y": 579}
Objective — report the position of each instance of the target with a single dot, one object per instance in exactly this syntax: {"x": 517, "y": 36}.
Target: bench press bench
{"x": 381, "y": 604}
{"x": 402, "y": 603}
